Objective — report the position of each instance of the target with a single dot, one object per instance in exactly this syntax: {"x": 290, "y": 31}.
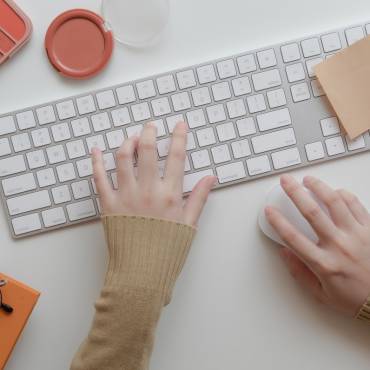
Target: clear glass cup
{"x": 136, "y": 23}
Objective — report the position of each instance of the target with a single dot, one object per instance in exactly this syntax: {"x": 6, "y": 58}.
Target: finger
{"x": 309, "y": 208}
{"x": 102, "y": 183}
{"x": 303, "y": 247}
{"x": 197, "y": 199}
{"x": 338, "y": 209}
{"x": 125, "y": 163}
{"x": 359, "y": 212}
{"x": 147, "y": 156}
{"x": 174, "y": 172}
{"x": 303, "y": 274}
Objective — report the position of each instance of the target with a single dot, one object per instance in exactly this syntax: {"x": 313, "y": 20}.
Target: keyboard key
{"x": 161, "y": 106}
{"x": 273, "y": 140}
{"x": 26, "y": 224}
{"x": 190, "y": 143}
{"x": 221, "y": 91}
{"x": 201, "y": 96}
{"x": 109, "y": 162}
{"x": 226, "y": 132}
{"x": 166, "y": 84}
{"x": 46, "y": 177}
{"x": 56, "y": 153}
{"x": 95, "y": 141}
{"x": 80, "y": 127}
{"x": 28, "y": 202}
{"x": 256, "y": 103}
{"x": 290, "y": 53}
{"x": 161, "y": 131}
{"x": 81, "y": 210}
{"x": 206, "y": 137}
{"x": 7, "y": 125}
{"x": 206, "y": 74}
{"x": 295, "y": 72}
{"x": 226, "y": 69}
{"x": 120, "y": 117}
{"x": 100, "y": 122}
{"x": 12, "y": 165}
{"x": 236, "y": 108}
{"x": 45, "y": 115}
{"x": 246, "y": 126}
{"x": 60, "y": 132}
{"x": 85, "y": 104}
{"x": 19, "y": 184}
{"x": 172, "y": 121}
{"x": 241, "y": 149}
{"x": 36, "y": 159}
{"x": 126, "y": 94}
{"x": 311, "y": 47}
{"x": 140, "y": 112}
{"x": 274, "y": 119}
{"x": 134, "y": 130}
{"x": 221, "y": 154}
{"x": 276, "y": 98}
{"x": 246, "y": 63}
{"x": 356, "y": 144}
{"x": 196, "y": 118}
{"x": 146, "y": 89}
{"x": 230, "y": 172}
{"x": 41, "y": 137}
{"x": 266, "y": 80}
{"x": 192, "y": 179}
{"x": 76, "y": 149}
{"x": 61, "y": 194}
{"x": 81, "y": 189}
{"x": 163, "y": 147}
{"x": 200, "y": 159}
{"x": 335, "y": 146}
{"x": 216, "y": 113}
{"x": 106, "y": 99}
{"x": 66, "y": 109}
{"x": 317, "y": 88}
{"x": 330, "y": 126}
{"x": 266, "y": 58}
{"x": 241, "y": 86}
{"x": 115, "y": 138}
{"x": 300, "y": 92}
{"x": 181, "y": 101}
{"x": 21, "y": 142}
{"x": 354, "y": 34}
{"x": 286, "y": 158}
{"x": 26, "y": 120}
{"x": 84, "y": 167}
{"x": 258, "y": 165}
{"x": 186, "y": 79}
{"x": 331, "y": 42}
{"x": 4, "y": 147}
{"x": 53, "y": 217}
{"x": 311, "y": 64}
{"x": 315, "y": 151}
{"x": 66, "y": 172}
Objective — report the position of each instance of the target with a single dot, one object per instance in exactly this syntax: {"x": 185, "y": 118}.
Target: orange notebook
{"x": 23, "y": 299}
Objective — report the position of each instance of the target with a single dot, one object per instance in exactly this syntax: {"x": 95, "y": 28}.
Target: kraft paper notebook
{"x": 23, "y": 299}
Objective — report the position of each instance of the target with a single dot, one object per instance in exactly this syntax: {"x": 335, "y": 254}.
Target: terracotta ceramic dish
{"x": 78, "y": 44}
{"x": 15, "y": 29}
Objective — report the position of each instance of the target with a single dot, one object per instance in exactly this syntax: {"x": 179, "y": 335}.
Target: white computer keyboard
{"x": 249, "y": 115}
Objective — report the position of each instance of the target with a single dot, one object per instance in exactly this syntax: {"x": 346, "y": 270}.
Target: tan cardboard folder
{"x": 23, "y": 299}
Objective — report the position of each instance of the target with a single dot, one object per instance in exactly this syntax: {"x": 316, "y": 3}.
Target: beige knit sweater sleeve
{"x": 145, "y": 257}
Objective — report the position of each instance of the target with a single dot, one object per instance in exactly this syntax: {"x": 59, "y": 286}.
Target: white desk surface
{"x": 235, "y": 306}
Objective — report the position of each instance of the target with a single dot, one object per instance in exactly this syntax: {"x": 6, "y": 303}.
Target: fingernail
{"x": 268, "y": 211}
{"x": 285, "y": 179}
{"x": 214, "y": 180}
{"x": 307, "y": 179}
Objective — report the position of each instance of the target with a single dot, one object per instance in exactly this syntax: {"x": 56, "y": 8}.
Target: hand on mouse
{"x": 147, "y": 194}
{"x": 336, "y": 269}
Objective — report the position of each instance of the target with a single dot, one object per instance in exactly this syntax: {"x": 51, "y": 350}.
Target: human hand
{"x": 147, "y": 194}
{"x": 337, "y": 269}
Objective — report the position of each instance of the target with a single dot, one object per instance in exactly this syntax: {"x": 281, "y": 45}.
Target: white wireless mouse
{"x": 278, "y": 199}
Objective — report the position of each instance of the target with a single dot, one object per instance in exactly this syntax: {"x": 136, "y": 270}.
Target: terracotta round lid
{"x": 78, "y": 44}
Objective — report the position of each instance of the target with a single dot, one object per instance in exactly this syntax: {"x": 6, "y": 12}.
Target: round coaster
{"x": 77, "y": 43}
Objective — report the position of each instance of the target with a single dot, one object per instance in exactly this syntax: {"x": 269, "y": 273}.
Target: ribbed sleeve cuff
{"x": 364, "y": 313}
{"x": 146, "y": 252}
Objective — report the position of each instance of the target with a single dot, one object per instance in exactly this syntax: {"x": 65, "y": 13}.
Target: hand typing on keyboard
{"x": 148, "y": 194}
{"x": 336, "y": 269}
